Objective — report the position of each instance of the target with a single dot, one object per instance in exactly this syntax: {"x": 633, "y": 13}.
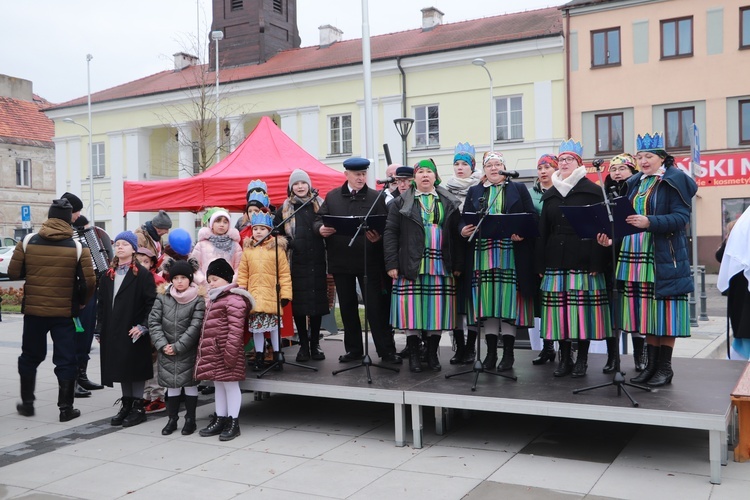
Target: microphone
{"x": 387, "y": 180}
{"x": 510, "y": 173}
{"x": 597, "y": 163}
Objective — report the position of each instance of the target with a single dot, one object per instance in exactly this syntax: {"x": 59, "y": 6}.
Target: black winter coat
{"x": 559, "y": 247}
{"x": 341, "y": 257}
{"x": 403, "y": 242}
{"x": 517, "y": 201}
{"x": 122, "y": 359}
{"x": 307, "y": 258}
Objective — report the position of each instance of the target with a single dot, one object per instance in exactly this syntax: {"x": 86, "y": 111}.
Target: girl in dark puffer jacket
{"x": 221, "y": 356}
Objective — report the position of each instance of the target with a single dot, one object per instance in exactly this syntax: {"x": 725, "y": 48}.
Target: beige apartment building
{"x": 636, "y": 66}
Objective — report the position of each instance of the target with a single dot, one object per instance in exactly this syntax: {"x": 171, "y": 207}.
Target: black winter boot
{"x": 137, "y": 414}
{"x": 433, "y": 346}
{"x": 583, "y": 357}
{"x": 458, "y": 338}
{"x": 84, "y": 381}
{"x": 173, "y": 408}
{"x": 652, "y": 353}
{"x": 215, "y": 426}
{"x": 258, "y": 364}
{"x": 471, "y": 348}
{"x": 231, "y": 429}
{"x": 639, "y": 353}
{"x": 26, "y": 406}
{"x": 491, "y": 359}
{"x": 611, "y": 355}
{"x": 304, "y": 347}
{"x": 664, "y": 373}
{"x": 80, "y": 392}
{"x": 412, "y": 343}
{"x": 565, "y": 366}
{"x": 191, "y": 403}
{"x": 126, "y": 403}
{"x": 506, "y": 363}
{"x": 546, "y": 354}
{"x": 316, "y": 353}
{"x": 65, "y": 400}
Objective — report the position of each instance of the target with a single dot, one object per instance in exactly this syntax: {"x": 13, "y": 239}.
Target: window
{"x": 277, "y": 6}
{"x": 605, "y": 47}
{"x": 508, "y": 119}
{"x": 427, "y": 126}
{"x": 678, "y": 127}
{"x": 731, "y": 209}
{"x": 677, "y": 38}
{"x": 196, "y": 158}
{"x": 341, "y": 134}
{"x": 744, "y": 122}
{"x": 23, "y": 173}
{"x": 236, "y": 5}
{"x": 745, "y": 27}
{"x": 609, "y": 134}
{"x": 97, "y": 159}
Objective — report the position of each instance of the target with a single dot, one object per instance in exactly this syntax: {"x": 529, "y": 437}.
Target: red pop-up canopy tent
{"x": 267, "y": 154}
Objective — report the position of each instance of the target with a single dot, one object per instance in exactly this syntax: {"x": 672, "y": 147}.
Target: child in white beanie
{"x": 218, "y": 240}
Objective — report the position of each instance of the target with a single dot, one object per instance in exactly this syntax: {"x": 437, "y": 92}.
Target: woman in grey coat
{"x": 175, "y": 326}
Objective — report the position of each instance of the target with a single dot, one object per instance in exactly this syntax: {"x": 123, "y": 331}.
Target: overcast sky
{"x": 46, "y": 41}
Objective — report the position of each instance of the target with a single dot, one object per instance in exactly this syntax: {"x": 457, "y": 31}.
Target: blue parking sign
{"x": 696, "y": 145}
{"x": 25, "y": 213}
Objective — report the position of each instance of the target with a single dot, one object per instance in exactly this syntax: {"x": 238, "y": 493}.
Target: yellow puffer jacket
{"x": 49, "y": 266}
{"x": 257, "y": 273}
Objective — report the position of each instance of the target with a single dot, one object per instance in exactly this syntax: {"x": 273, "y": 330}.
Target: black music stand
{"x": 366, "y": 361}
{"x": 618, "y": 377}
{"x": 478, "y": 367}
{"x": 280, "y": 361}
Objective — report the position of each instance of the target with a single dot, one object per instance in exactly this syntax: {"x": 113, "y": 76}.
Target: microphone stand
{"x": 366, "y": 360}
{"x": 478, "y": 367}
{"x": 279, "y": 362}
{"x": 618, "y": 377}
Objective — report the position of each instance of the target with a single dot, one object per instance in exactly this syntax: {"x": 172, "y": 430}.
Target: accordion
{"x": 100, "y": 244}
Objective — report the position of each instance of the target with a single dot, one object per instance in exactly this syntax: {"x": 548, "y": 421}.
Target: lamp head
{"x": 69, "y": 120}
{"x": 478, "y": 62}
{"x": 217, "y": 35}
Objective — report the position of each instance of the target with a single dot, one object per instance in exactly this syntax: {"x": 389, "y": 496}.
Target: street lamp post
{"x": 480, "y": 62}
{"x": 403, "y": 125}
{"x": 91, "y": 167}
{"x": 216, "y": 36}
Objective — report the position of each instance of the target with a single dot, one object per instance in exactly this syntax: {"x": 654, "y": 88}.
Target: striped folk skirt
{"x": 427, "y": 303}
{"x": 574, "y": 306}
{"x": 499, "y": 297}
{"x": 640, "y": 311}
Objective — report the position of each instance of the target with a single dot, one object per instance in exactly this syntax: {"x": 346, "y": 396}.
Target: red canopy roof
{"x": 267, "y": 154}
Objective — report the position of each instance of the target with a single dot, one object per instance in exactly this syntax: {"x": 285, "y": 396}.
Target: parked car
{"x": 5, "y": 254}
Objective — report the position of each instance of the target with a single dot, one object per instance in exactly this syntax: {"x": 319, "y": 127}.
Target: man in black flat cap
{"x": 347, "y": 266}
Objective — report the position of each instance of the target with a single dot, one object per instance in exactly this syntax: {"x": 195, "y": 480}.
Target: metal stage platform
{"x": 697, "y": 399}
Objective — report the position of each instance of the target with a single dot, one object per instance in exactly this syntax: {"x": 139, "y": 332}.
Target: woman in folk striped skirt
{"x": 653, "y": 265}
{"x": 573, "y": 288}
{"x": 503, "y": 269}
{"x": 423, "y": 253}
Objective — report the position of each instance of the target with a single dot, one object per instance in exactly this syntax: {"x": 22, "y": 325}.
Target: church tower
{"x": 254, "y": 30}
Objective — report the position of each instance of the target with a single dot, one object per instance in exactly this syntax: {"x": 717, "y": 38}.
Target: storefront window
{"x": 731, "y": 209}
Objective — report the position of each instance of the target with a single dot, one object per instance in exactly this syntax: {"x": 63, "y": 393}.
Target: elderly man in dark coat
{"x": 347, "y": 266}
{"x": 59, "y": 282}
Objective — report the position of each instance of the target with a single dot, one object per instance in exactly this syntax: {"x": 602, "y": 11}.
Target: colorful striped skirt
{"x": 574, "y": 306}
{"x": 500, "y": 298}
{"x": 427, "y": 303}
{"x": 640, "y": 311}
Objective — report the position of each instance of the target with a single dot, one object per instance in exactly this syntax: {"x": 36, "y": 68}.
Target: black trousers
{"x": 83, "y": 339}
{"x": 34, "y": 346}
{"x": 377, "y": 317}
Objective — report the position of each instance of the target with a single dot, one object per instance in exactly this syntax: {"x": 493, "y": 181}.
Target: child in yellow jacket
{"x": 257, "y": 275}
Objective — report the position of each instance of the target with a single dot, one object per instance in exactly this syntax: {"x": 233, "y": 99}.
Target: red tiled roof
{"x": 486, "y": 31}
{"x": 23, "y": 122}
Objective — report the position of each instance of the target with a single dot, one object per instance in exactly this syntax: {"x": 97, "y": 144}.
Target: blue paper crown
{"x": 261, "y": 219}
{"x": 571, "y": 146}
{"x": 649, "y": 142}
{"x": 257, "y": 185}
{"x": 258, "y": 197}
{"x": 464, "y": 148}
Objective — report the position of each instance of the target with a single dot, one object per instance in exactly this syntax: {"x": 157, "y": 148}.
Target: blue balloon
{"x": 180, "y": 241}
